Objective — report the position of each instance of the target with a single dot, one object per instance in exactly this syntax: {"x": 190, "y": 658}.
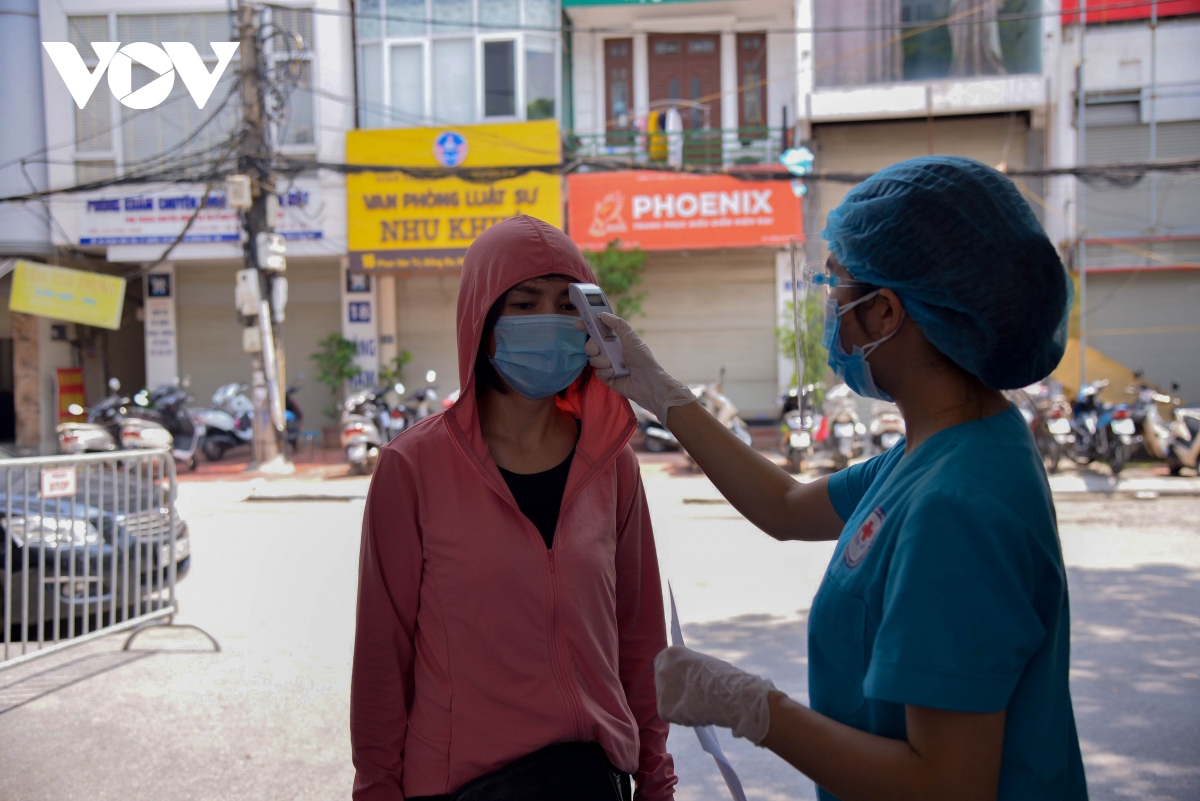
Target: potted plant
{"x": 335, "y": 366}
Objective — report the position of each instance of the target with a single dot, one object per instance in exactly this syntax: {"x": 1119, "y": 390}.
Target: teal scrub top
{"x": 947, "y": 590}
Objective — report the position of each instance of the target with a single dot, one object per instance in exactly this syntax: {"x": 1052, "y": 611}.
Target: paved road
{"x": 274, "y": 581}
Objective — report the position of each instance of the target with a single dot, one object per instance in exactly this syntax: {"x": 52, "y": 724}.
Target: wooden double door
{"x": 687, "y": 66}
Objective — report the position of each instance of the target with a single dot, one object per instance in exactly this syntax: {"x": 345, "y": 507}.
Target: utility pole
{"x": 1080, "y": 199}
{"x": 270, "y": 427}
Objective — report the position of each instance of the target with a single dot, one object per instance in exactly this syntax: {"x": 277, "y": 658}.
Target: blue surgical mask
{"x": 853, "y": 368}
{"x": 539, "y": 355}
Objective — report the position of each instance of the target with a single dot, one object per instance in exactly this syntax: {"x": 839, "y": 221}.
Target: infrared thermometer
{"x": 591, "y": 302}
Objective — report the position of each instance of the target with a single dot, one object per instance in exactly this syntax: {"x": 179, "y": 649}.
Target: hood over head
{"x": 506, "y": 254}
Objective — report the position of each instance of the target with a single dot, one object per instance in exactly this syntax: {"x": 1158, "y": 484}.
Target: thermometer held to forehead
{"x": 591, "y": 302}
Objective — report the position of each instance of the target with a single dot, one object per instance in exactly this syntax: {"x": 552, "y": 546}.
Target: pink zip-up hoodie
{"x": 475, "y": 644}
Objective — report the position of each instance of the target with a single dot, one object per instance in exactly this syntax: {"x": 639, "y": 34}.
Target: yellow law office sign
{"x": 400, "y": 223}
{"x": 61, "y": 293}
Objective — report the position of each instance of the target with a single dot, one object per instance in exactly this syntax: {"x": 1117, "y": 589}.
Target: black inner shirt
{"x": 539, "y": 495}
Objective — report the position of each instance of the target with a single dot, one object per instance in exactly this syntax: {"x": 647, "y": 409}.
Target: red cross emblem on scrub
{"x": 860, "y": 544}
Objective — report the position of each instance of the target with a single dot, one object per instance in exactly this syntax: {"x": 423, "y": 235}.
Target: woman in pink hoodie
{"x": 509, "y": 595}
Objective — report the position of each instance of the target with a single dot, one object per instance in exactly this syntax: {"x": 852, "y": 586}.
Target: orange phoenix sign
{"x": 661, "y": 211}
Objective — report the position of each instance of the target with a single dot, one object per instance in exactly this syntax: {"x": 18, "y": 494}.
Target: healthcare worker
{"x": 939, "y": 638}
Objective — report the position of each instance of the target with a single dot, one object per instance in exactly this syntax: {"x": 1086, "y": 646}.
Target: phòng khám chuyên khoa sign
{"x": 399, "y": 223}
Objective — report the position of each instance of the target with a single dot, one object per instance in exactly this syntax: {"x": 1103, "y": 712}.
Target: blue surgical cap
{"x": 957, "y": 243}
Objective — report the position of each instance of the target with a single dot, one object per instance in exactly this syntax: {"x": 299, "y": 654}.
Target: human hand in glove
{"x": 647, "y": 384}
{"x": 695, "y": 689}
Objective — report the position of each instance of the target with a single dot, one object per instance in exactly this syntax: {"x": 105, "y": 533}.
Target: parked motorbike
{"x": 1103, "y": 432}
{"x": 845, "y": 433}
{"x": 655, "y": 436}
{"x": 1047, "y": 413}
{"x": 423, "y": 402}
{"x": 886, "y": 427}
{"x": 1185, "y": 440}
{"x": 166, "y": 405}
{"x": 369, "y": 422}
{"x": 294, "y": 416}
{"x": 110, "y": 427}
{"x": 1177, "y": 443}
{"x": 1061, "y": 436}
{"x": 713, "y": 398}
{"x": 796, "y": 423}
{"x": 229, "y": 423}
{"x": 1153, "y": 432}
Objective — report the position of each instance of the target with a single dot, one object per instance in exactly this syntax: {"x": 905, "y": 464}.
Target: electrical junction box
{"x": 270, "y": 250}
{"x": 251, "y": 340}
{"x": 237, "y": 192}
{"x": 247, "y": 293}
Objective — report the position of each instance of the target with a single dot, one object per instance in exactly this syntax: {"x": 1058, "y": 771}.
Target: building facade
{"x": 442, "y": 84}
{"x": 1138, "y": 240}
{"x": 180, "y": 318}
{"x": 710, "y": 84}
{"x": 638, "y": 94}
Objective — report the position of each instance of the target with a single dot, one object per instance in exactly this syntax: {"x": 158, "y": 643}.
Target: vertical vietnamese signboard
{"x": 162, "y": 352}
{"x": 359, "y": 326}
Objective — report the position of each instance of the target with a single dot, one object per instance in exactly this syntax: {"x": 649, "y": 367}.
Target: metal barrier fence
{"x": 92, "y": 546}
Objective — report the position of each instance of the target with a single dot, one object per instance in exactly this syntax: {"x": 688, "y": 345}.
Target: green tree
{"x": 811, "y": 350}
{"x": 619, "y": 272}
{"x": 335, "y": 366}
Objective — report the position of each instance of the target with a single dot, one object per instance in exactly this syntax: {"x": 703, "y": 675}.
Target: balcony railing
{"x": 726, "y": 147}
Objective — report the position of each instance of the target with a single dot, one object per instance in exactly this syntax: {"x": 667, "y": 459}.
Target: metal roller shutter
{"x": 425, "y": 327}
{"x": 210, "y": 336}
{"x": 1116, "y": 210}
{"x": 313, "y": 313}
{"x": 708, "y": 309}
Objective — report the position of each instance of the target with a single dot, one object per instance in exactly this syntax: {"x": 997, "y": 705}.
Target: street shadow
{"x": 29, "y": 688}
{"x": 1135, "y": 680}
{"x": 31, "y": 682}
{"x": 1135, "y": 683}
{"x": 767, "y": 645}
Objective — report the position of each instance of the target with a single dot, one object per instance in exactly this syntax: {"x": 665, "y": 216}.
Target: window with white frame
{"x": 290, "y": 47}
{"x": 111, "y": 138}
{"x": 432, "y": 62}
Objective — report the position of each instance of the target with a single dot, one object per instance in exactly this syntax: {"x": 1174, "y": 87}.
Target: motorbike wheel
{"x": 1174, "y": 466}
{"x": 213, "y": 450}
{"x": 1118, "y": 456}
{"x": 655, "y": 445}
{"x": 795, "y": 464}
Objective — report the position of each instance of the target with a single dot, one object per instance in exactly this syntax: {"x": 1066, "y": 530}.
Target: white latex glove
{"x": 647, "y": 384}
{"x": 695, "y": 689}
